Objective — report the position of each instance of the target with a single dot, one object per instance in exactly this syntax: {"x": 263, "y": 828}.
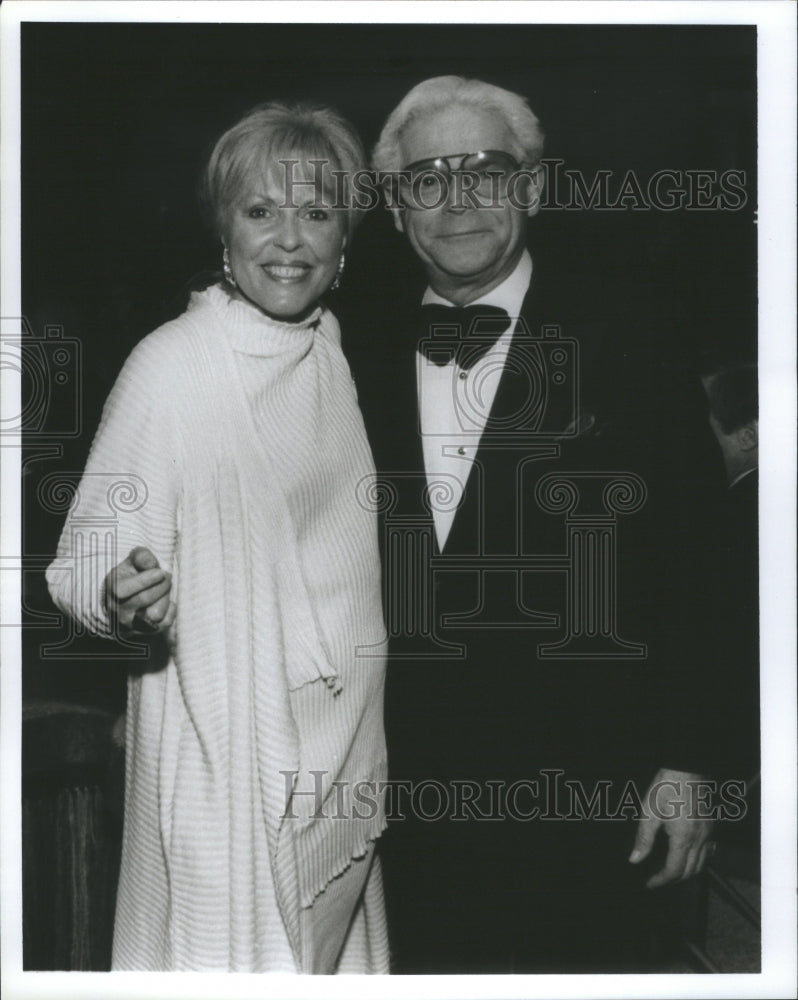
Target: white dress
{"x": 232, "y": 446}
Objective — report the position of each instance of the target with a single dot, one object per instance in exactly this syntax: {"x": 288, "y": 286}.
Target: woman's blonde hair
{"x": 278, "y": 131}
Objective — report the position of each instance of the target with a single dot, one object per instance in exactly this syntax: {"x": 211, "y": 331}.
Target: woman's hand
{"x": 137, "y": 593}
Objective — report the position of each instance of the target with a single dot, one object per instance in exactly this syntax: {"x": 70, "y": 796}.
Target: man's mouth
{"x": 458, "y": 236}
{"x": 286, "y": 272}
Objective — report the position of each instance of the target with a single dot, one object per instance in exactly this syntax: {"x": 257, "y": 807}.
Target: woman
{"x": 230, "y": 451}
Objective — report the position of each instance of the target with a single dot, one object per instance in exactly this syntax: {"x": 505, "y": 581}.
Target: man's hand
{"x": 137, "y": 594}
{"x": 670, "y": 805}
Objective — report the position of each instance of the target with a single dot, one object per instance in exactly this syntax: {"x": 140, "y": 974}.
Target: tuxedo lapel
{"x": 514, "y": 395}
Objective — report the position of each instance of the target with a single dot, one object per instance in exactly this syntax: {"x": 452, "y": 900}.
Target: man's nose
{"x": 455, "y": 202}
{"x": 289, "y": 233}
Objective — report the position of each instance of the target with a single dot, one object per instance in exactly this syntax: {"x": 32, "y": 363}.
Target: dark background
{"x": 116, "y": 122}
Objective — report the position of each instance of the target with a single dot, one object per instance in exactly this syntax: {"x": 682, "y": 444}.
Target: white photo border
{"x": 775, "y": 22}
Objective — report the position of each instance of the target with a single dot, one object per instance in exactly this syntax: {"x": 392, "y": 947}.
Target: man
{"x": 545, "y": 645}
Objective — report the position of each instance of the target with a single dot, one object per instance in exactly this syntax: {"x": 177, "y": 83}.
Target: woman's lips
{"x": 286, "y": 272}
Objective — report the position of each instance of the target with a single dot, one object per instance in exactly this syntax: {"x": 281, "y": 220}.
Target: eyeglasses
{"x": 490, "y": 170}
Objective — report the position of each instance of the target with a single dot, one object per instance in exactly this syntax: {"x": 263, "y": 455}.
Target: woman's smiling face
{"x": 284, "y": 239}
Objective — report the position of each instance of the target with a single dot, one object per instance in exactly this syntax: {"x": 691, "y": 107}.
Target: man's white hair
{"x": 443, "y": 92}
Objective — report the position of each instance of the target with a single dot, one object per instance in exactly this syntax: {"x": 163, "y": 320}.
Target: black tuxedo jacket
{"x": 472, "y": 692}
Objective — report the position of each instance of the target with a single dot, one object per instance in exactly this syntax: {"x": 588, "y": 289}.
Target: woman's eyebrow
{"x": 260, "y": 197}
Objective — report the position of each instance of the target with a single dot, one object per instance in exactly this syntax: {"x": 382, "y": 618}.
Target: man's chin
{"x": 467, "y": 266}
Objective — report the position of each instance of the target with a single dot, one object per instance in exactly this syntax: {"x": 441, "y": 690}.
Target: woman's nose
{"x": 289, "y": 235}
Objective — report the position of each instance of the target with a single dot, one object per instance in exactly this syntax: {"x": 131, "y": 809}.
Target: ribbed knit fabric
{"x": 245, "y": 453}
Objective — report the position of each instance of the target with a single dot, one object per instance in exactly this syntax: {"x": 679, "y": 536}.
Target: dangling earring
{"x": 339, "y": 272}
{"x": 228, "y": 274}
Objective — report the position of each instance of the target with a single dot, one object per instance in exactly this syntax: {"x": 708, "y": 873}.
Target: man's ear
{"x": 748, "y": 436}
{"x": 398, "y": 217}
{"x": 535, "y": 182}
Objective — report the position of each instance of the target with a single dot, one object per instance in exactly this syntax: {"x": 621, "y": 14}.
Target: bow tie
{"x": 465, "y": 333}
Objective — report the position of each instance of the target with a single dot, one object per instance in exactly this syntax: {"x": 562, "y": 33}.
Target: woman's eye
{"x": 318, "y": 215}
{"x": 258, "y": 212}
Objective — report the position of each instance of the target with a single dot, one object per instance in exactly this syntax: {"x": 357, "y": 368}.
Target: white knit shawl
{"x": 276, "y": 660}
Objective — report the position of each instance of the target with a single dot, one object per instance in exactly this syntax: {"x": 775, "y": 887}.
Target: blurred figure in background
{"x": 733, "y": 402}
{"x": 733, "y": 417}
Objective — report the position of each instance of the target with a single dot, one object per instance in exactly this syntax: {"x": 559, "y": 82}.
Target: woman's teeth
{"x": 285, "y": 272}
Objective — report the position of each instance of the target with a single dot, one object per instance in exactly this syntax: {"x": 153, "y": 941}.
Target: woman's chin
{"x": 283, "y": 308}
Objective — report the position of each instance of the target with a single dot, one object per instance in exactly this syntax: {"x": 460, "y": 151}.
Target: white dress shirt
{"x": 455, "y": 404}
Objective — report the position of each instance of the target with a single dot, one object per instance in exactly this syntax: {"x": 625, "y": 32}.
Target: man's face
{"x": 466, "y": 249}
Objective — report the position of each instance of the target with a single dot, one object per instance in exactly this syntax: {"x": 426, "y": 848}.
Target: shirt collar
{"x": 508, "y": 295}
